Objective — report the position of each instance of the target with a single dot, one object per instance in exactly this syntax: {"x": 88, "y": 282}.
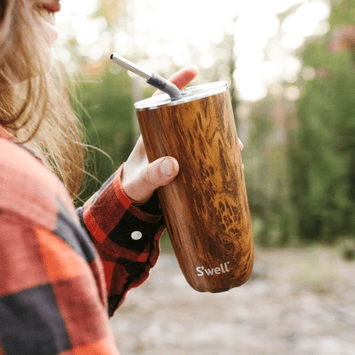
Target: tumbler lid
{"x": 189, "y": 94}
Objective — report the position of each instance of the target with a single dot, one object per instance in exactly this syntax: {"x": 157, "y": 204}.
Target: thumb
{"x": 158, "y": 173}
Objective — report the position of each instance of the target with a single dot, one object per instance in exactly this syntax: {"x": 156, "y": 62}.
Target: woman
{"x": 64, "y": 272}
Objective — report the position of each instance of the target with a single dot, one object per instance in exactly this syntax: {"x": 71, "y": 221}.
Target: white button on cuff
{"x": 136, "y": 235}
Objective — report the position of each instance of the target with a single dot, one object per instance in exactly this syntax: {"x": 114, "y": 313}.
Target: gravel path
{"x": 297, "y": 303}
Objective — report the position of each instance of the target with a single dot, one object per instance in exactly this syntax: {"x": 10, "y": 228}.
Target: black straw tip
{"x": 111, "y": 56}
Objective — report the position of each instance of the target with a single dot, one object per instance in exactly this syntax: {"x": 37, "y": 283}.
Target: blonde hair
{"x": 34, "y": 103}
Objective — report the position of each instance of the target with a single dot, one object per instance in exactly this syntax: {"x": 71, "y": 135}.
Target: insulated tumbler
{"x": 206, "y": 207}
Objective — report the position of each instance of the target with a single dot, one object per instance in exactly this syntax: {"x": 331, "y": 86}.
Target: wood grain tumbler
{"x": 206, "y": 207}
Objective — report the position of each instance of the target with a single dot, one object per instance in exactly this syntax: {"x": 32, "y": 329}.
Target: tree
{"x": 322, "y": 153}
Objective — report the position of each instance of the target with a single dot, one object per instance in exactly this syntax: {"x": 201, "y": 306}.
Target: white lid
{"x": 189, "y": 94}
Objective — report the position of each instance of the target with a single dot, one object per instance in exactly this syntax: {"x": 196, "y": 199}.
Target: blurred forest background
{"x": 299, "y": 139}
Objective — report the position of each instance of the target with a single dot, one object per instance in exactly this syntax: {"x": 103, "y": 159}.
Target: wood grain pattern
{"x": 205, "y": 208}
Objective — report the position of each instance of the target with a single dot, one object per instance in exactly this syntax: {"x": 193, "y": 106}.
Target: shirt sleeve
{"x": 125, "y": 236}
{"x": 52, "y": 296}
{"x": 50, "y": 302}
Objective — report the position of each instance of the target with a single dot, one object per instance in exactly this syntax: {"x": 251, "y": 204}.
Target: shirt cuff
{"x": 118, "y": 228}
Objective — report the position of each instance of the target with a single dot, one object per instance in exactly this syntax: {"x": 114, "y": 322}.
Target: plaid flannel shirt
{"x": 64, "y": 272}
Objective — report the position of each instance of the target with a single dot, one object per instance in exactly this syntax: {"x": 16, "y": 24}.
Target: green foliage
{"x": 267, "y": 174}
{"x": 300, "y": 161}
{"x": 107, "y": 113}
{"x": 322, "y": 153}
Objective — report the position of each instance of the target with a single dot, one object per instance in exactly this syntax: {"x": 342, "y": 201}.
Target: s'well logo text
{"x": 201, "y": 271}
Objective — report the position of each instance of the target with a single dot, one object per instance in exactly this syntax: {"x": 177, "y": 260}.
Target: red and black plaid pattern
{"x": 53, "y": 298}
{"x": 120, "y": 254}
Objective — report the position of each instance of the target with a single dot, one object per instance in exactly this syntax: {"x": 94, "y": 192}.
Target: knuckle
{"x": 149, "y": 177}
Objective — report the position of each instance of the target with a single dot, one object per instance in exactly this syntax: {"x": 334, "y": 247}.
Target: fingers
{"x": 158, "y": 173}
{"x": 182, "y": 78}
{"x": 140, "y": 179}
{"x": 241, "y": 145}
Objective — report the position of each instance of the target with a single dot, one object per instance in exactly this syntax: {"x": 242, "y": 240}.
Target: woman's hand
{"x": 140, "y": 179}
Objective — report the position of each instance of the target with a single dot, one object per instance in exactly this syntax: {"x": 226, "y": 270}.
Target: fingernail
{"x": 167, "y": 167}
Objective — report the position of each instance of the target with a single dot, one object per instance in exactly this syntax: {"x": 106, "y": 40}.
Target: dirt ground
{"x": 299, "y": 302}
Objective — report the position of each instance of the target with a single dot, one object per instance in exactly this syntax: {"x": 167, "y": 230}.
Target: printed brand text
{"x": 222, "y": 269}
